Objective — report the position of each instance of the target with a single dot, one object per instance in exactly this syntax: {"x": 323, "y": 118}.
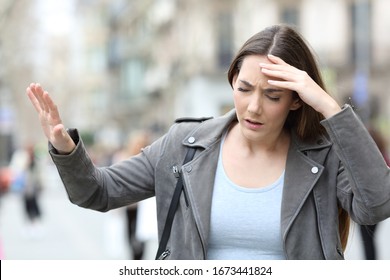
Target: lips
{"x": 252, "y": 124}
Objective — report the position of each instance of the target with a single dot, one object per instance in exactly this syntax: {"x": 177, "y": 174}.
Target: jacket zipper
{"x": 164, "y": 255}
{"x": 176, "y": 172}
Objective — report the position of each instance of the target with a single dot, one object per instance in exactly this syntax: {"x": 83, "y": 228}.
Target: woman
{"x": 272, "y": 179}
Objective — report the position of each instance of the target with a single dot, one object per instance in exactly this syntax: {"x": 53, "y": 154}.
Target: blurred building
{"x": 169, "y": 58}
{"x": 130, "y": 64}
{"x": 14, "y": 66}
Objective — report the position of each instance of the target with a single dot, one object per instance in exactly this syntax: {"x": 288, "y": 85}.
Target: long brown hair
{"x": 285, "y": 42}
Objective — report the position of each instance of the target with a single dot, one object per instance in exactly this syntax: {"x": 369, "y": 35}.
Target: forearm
{"x": 78, "y": 174}
{"x": 369, "y": 175}
{"x": 103, "y": 188}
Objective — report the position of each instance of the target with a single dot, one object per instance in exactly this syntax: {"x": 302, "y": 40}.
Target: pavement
{"x": 68, "y": 232}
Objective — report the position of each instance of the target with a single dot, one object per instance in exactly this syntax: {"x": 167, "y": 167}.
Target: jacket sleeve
{"x": 105, "y": 188}
{"x": 364, "y": 177}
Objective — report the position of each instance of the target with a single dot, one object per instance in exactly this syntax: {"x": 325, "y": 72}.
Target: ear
{"x": 296, "y": 104}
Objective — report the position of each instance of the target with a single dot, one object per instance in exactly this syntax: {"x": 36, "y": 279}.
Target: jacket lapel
{"x": 198, "y": 174}
{"x": 199, "y": 182}
{"x": 304, "y": 168}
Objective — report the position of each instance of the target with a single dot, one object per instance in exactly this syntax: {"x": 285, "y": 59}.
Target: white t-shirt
{"x": 245, "y": 222}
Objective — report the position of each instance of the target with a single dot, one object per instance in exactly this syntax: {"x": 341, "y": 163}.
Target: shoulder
{"x": 205, "y": 126}
{"x": 185, "y": 125}
{"x": 205, "y": 131}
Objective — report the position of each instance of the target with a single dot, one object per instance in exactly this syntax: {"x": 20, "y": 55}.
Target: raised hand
{"x": 297, "y": 80}
{"x": 50, "y": 119}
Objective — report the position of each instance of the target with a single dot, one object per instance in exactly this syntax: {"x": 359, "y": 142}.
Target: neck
{"x": 277, "y": 142}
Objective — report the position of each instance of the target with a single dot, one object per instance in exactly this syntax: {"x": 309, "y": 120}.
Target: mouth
{"x": 253, "y": 124}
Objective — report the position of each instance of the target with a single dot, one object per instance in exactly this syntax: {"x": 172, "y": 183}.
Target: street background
{"x": 115, "y": 67}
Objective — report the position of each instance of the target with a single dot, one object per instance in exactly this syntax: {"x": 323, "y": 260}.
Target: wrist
{"x": 66, "y": 151}
{"x": 331, "y": 109}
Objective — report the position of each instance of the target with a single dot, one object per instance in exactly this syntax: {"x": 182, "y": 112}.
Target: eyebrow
{"x": 266, "y": 90}
{"x": 273, "y": 90}
{"x": 246, "y": 83}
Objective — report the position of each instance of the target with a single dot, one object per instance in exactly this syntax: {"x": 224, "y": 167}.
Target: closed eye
{"x": 245, "y": 86}
{"x": 273, "y": 94}
{"x": 242, "y": 89}
{"x": 275, "y": 99}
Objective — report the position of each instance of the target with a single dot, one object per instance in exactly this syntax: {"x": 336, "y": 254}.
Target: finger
{"x": 52, "y": 107}
{"x": 65, "y": 144}
{"x": 275, "y": 59}
{"x": 59, "y": 131}
{"x": 32, "y": 86}
{"x": 39, "y": 94}
{"x": 280, "y": 74}
{"x": 279, "y": 64}
{"x": 286, "y": 68}
{"x": 284, "y": 84}
{"x": 33, "y": 99}
{"x": 278, "y": 71}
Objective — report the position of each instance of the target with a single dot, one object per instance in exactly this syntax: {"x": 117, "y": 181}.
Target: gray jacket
{"x": 345, "y": 169}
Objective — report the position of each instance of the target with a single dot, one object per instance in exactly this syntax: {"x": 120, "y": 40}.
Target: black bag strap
{"x": 162, "y": 252}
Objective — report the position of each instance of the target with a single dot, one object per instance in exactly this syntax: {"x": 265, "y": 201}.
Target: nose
{"x": 255, "y": 104}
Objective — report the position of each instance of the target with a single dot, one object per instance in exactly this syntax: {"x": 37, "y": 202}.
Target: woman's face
{"x": 261, "y": 109}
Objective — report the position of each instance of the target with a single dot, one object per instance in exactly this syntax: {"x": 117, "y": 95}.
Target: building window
{"x": 360, "y": 12}
{"x": 132, "y": 78}
{"x": 225, "y": 39}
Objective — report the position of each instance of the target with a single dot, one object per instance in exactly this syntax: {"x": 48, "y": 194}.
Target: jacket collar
{"x": 305, "y": 164}
{"x": 210, "y": 131}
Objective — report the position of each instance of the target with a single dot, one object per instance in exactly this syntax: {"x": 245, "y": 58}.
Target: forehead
{"x": 254, "y": 60}
{"x": 250, "y": 68}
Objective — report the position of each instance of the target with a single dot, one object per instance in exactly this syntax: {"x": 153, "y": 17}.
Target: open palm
{"x": 50, "y": 119}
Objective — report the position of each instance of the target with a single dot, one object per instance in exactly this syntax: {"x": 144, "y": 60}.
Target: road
{"x": 69, "y": 232}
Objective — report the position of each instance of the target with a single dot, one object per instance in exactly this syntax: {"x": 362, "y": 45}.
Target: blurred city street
{"x": 69, "y": 232}
{"x": 115, "y": 67}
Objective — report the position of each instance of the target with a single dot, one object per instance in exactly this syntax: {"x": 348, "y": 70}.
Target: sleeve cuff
{"x": 74, "y": 134}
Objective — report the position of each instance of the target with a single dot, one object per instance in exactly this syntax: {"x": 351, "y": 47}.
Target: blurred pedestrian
{"x": 275, "y": 178}
{"x": 28, "y": 183}
{"x": 137, "y": 141}
{"x": 5, "y": 180}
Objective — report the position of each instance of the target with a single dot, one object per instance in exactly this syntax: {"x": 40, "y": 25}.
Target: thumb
{"x": 59, "y": 132}
{"x": 61, "y": 140}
